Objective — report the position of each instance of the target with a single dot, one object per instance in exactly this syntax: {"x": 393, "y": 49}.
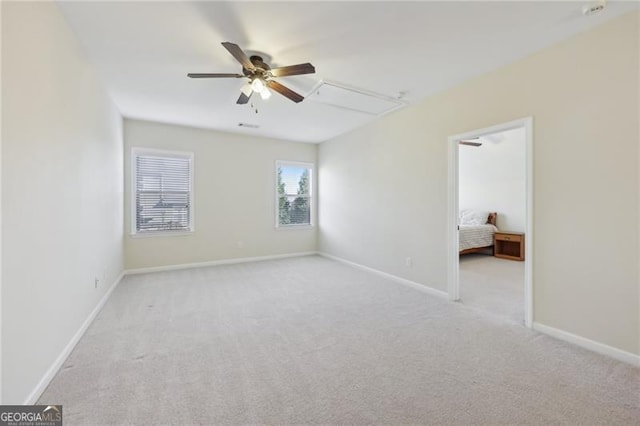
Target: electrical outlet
{"x": 96, "y": 280}
{"x": 240, "y": 244}
{"x": 408, "y": 262}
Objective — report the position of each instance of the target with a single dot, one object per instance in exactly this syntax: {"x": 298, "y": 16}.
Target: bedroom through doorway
{"x": 492, "y": 220}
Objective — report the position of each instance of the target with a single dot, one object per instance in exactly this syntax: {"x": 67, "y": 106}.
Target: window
{"x": 294, "y": 187}
{"x": 162, "y": 192}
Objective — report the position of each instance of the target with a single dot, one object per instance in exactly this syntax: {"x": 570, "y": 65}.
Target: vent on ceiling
{"x": 250, "y": 126}
{"x": 353, "y": 99}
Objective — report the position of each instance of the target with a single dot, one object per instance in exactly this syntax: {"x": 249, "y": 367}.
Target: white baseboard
{"x": 215, "y": 263}
{"x": 591, "y": 345}
{"x": 412, "y": 284}
{"x": 583, "y": 342}
{"x": 57, "y": 364}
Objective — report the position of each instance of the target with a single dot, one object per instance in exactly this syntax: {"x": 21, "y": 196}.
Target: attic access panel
{"x": 353, "y": 99}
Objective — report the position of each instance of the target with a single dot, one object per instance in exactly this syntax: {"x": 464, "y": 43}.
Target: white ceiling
{"x": 143, "y": 51}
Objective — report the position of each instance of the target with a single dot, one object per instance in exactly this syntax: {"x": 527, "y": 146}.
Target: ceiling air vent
{"x": 249, "y": 126}
{"x": 353, "y": 99}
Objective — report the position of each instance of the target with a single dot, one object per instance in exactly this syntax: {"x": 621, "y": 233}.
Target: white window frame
{"x": 151, "y": 152}
{"x": 311, "y": 167}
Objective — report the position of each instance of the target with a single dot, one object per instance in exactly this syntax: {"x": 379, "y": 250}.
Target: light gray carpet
{"x": 309, "y": 340}
{"x": 493, "y": 285}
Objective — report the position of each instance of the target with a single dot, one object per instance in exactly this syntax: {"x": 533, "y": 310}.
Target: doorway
{"x": 485, "y": 277}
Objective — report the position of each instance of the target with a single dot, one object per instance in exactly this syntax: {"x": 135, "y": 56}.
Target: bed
{"x": 474, "y": 237}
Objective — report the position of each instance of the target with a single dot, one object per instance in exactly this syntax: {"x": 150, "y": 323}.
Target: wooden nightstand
{"x": 508, "y": 245}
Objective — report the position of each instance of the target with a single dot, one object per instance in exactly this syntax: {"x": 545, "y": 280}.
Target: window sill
{"x": 161, "y": 234}
{"x": 293, "y": 227}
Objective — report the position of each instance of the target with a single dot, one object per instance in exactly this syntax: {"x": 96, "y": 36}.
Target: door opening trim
{"x": 453, "y": 278}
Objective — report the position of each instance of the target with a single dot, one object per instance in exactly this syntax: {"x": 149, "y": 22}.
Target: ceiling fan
{"x": 261, "y": 75}
{"x": 471, "y": 142}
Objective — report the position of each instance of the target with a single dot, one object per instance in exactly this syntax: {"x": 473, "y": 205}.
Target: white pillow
{"x": 473, "y": 217}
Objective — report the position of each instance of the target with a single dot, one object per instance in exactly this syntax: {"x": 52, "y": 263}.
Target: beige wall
{"x": 234, "y": 197}
{"x": 61, "y": 192}
{"x": 583, "y": 95}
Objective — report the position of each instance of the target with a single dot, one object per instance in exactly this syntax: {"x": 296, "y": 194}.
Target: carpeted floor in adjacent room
{"x": 310, "y": 340}
{"x": 493, "y": 285}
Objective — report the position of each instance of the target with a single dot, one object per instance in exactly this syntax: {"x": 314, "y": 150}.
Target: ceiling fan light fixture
{"x": 247, "y": 89}
{"x": 258, "y": 85}
{"x": 265, "y": 94}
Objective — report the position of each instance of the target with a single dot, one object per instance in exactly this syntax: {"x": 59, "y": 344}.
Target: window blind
{"x": 163, "y": 197}
{"x": 293, "y": 190}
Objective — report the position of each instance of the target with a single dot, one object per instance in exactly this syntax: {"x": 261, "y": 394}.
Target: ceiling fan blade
{"x": 244, "y": 98}
{"x": 470, "y": 143}
{"x": 240, "y": 56}
{"x": 299, "y": 69}
{"x": 201, "y": 75}
{"x": 285, "y": 91}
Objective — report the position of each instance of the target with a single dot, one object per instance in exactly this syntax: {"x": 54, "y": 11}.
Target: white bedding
{"x": 472, "y": 236}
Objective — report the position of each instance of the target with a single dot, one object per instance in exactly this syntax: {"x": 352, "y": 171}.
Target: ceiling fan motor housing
{"x": 259, "y": 62}
{"x": 260, "y": 71}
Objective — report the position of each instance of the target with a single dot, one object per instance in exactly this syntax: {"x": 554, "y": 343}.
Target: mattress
{"x": 472, "y": 236}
